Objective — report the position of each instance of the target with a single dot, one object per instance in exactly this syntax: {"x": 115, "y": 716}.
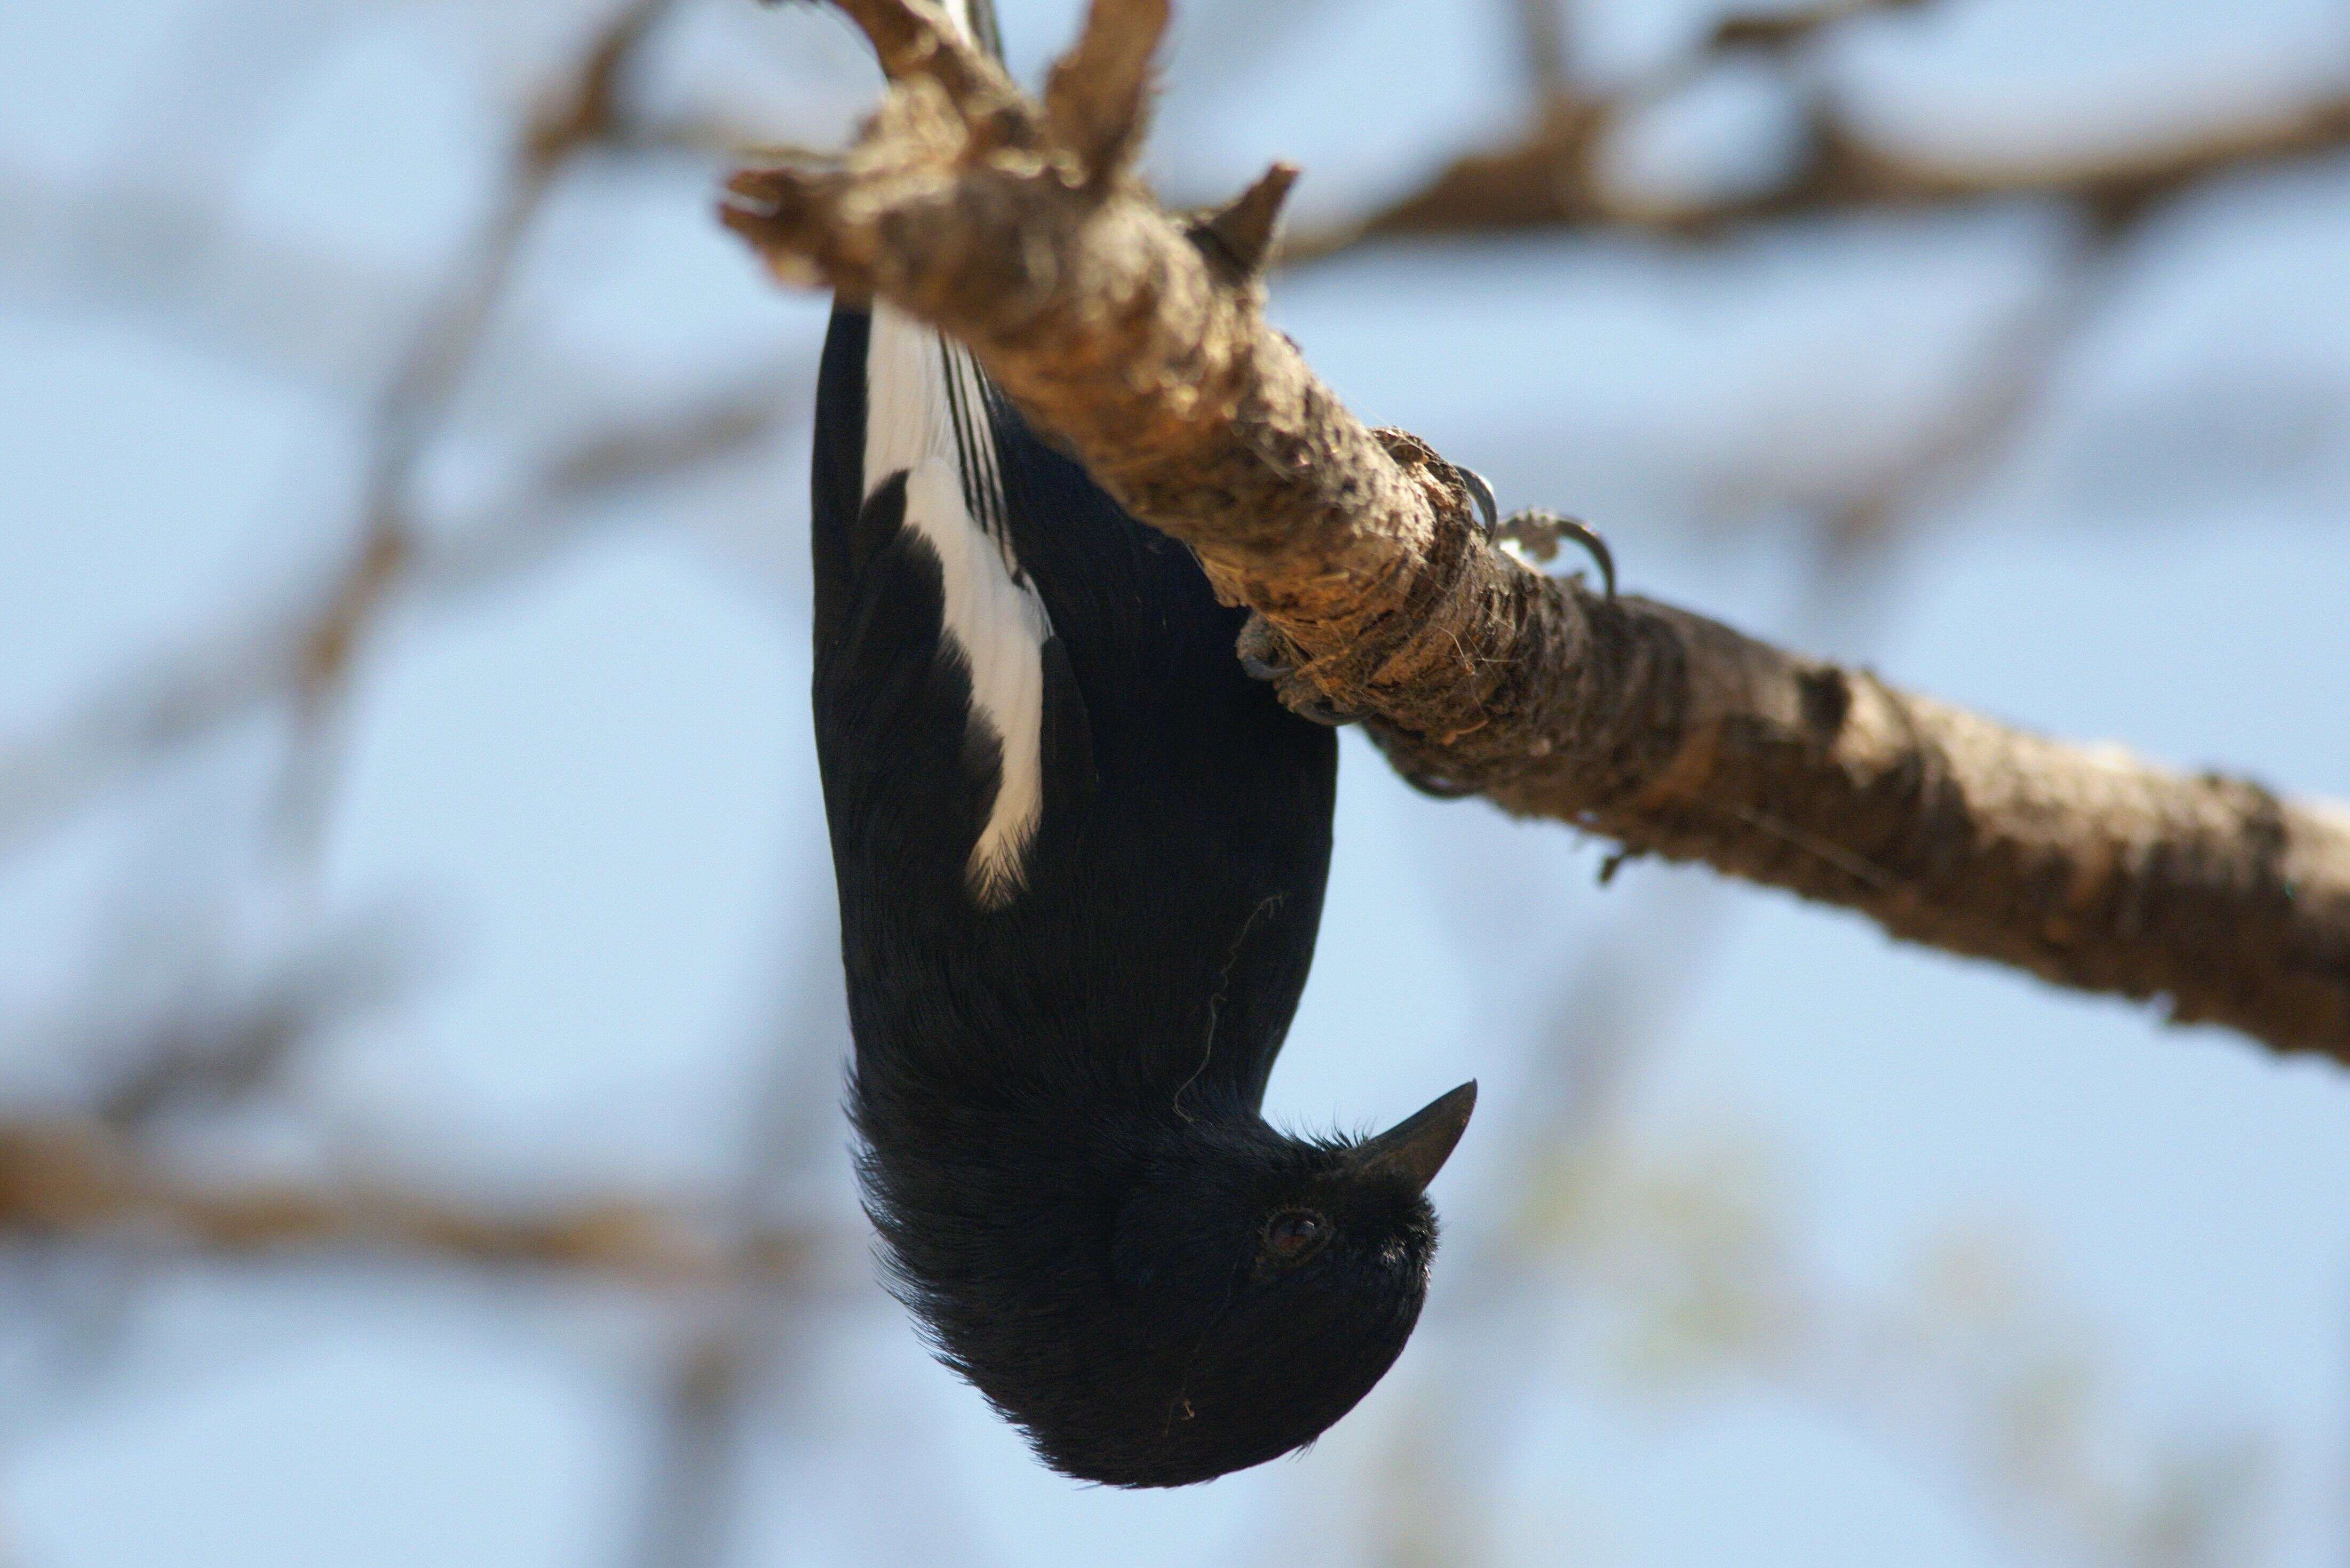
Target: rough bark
{"x": 1140, "y": 341}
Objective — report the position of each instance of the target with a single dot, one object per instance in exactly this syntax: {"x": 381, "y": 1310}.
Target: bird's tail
{"x": 982, "y": 26}
{"x": 977, "y": 20}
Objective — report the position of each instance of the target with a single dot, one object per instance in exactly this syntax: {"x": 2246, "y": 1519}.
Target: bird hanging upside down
{"x": 1081, "y": 855}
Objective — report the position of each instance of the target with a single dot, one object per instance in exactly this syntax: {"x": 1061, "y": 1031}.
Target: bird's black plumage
{"x": 1059, "y": 1067}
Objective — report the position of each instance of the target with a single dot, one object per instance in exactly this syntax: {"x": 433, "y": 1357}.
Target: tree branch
{"x": 963, "y": 203}
{"x": 73, "y": 1179}
{"x": 1551, "y": 175}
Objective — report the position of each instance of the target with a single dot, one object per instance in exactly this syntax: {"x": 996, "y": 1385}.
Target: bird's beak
{"x": 1417, "y": 1147}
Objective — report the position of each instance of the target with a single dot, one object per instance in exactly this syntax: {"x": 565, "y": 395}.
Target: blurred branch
{"x": 1552, "y": 174}
{"x": 74, "y": 1180}
{"x": 1019, "y": 229}
{"x": 417, "y": 397}
{"x": 211, "y": 1049}
{"x": 1542, "y": 39}
{"x": 220, "y": 676}
{"x": 689, "y": 1505}
{"x": 1991, "y": 411}
{"x": 1785, "y": 29}
{"x": 1684, "y": 1267}
{"x": 697, "y": 1457}
{"x": 303, "y": 653}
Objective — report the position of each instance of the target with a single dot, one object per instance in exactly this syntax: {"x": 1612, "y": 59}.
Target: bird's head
{"x": 1260, "y": 1283}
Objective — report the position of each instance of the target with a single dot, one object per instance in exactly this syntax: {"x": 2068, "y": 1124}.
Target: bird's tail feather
{"x": 977, "y": 19}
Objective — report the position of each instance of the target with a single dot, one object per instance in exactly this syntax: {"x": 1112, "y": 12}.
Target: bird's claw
{"x": 1262, "y": 669}
{"x": 1482, "y": 493}
{"x": 1535, "y": 533}
{"x": 1258, "y": 651}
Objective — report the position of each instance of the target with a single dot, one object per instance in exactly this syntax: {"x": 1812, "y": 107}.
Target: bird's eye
{"x": 1294, "y": 1232}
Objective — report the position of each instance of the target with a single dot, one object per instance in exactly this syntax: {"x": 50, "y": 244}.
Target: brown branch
{"x": 1240, "y": 233}
{"x": 73, "y": 1180}
{"x": 1780, "y": 30}
{"x": 1550, "y": 176}
{"x": 1667, "y": 731}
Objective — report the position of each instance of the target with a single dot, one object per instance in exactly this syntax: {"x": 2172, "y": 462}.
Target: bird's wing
{"x": 928, "y": 628}
{"x": 927, "y": 419}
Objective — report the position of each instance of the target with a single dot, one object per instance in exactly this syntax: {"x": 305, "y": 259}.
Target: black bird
{"x": 1081, "y": 857}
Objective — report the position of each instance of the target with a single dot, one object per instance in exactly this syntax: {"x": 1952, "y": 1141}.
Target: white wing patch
{"x": 926, "y": 416}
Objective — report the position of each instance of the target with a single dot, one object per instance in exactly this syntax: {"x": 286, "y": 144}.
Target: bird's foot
{"x": 1266, "y": 655}
{"x": 1534, "y": 534}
